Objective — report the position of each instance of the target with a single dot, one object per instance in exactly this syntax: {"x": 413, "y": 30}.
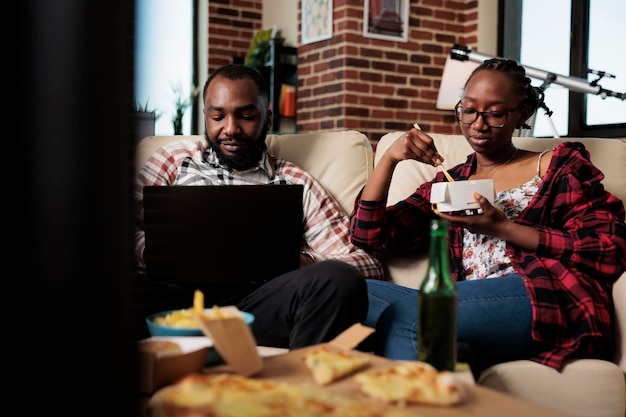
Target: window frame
{"x": 509, "y": 42}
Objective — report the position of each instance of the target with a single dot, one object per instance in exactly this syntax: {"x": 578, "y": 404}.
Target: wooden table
{"x": 481, "y": 402}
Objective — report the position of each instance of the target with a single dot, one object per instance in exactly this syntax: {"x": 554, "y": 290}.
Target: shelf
{"x": 281, "y": 69}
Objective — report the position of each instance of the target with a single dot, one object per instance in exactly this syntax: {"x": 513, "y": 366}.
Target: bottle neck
{"x": 439, "y": 242}
{"x": 438, "y": 275}
{"x": 439, "y": 253}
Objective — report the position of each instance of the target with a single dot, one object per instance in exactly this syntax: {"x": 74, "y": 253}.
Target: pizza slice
{"x": 160, "y": 347}
{"x": 229, "y": 395}
{"x": 412, "y": 382}
{"x": 328, "y": 366}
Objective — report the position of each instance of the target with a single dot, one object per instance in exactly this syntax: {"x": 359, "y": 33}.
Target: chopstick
{"x": 443, "y": 169}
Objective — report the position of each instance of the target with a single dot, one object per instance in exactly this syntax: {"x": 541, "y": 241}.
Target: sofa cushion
{"x": 602, "y": 384}
{"x": 316, "y": 153}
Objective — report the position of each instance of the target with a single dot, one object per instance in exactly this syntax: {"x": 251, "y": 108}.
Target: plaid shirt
{"x": 193, "y": 163}
{"x": 581, "y": 251}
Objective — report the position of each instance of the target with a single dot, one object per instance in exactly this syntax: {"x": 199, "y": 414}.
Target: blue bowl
{"x": 161, "y": 330}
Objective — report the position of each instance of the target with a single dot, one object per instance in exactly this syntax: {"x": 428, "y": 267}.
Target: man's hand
{"x": 306, "y": 259}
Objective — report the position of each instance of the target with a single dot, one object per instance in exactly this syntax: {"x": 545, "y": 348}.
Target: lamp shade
{"x": 455, "y": 74}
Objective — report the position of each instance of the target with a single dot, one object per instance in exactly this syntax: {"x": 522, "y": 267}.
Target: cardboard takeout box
{"x": 458, "y": 196}
{"x": 234, "y": 341}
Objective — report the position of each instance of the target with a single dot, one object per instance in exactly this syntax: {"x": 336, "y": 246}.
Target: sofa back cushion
{"x": 607, "y": 154}
{"x": 342, "y": 161}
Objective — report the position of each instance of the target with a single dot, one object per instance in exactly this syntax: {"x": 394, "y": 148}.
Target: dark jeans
{"x": 307, "y": 306}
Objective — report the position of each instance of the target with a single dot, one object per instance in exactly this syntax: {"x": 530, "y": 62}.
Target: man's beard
{"x": 242, "y": 162}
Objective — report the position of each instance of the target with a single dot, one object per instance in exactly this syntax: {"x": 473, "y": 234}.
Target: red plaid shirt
{"x": 581, "y": 251}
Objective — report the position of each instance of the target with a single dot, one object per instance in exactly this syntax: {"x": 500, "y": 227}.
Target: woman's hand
{"x": 414, "y": 144}
{"x": 493, "y": 222}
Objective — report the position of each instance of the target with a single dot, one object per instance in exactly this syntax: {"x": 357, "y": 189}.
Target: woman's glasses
{"x": 467, "y": 115}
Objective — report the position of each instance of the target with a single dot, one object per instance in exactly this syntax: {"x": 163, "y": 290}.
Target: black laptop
{"x": 222, "y": 233}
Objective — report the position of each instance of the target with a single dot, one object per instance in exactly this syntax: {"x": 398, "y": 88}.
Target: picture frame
{"x": 317, "y": 20}
{"x": 386, "y": 19}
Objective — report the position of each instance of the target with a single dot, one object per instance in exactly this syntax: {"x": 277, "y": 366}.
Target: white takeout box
{"x": 457, "y": 196}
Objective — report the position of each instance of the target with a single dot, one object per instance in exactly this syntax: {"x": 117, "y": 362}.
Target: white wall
{"x": 488, "y": 27}
{"x": 283, "y": 14}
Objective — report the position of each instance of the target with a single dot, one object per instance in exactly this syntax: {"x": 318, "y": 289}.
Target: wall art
{"x": 317, "y": 20}
{"x": 386, "y": 19}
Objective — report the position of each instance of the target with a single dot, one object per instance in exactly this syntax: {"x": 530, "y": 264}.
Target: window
{"x": 571, "y": 38}
{"x": 164, "y": 63}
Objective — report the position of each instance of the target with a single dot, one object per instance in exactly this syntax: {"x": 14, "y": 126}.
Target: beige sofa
{"x": 342, "y": 162}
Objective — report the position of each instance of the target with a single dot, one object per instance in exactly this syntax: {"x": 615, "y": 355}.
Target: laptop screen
{"x": 222, "y": 233}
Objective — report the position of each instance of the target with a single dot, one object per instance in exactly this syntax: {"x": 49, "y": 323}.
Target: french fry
{"x": 198, "y": 302}
{"x": 186, "y": 318}
{"x": 178, "y": 318}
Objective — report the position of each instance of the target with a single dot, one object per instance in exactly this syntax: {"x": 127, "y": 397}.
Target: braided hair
{"x": 533, "y": 97}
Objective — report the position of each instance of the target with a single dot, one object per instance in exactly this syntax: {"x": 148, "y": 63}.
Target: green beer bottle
{"x": 437, "y": 305}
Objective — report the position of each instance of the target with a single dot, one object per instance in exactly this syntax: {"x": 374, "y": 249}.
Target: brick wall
{"x": 232, "y": 24}
{"x": 352, "y": 82}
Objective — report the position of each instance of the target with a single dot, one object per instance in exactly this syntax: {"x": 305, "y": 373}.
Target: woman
{"x": 554, "y": 240}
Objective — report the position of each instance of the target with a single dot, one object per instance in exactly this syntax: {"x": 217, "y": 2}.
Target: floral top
{"x": 485, "y": 256}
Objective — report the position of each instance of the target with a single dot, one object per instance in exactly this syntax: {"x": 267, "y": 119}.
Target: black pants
{"x": 307, "y": 306}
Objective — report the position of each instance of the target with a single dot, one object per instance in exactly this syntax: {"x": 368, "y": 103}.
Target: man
{"x": 328, "y": 293}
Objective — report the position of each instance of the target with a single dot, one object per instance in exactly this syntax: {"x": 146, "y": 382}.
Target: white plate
{"x": 186, "y": 343}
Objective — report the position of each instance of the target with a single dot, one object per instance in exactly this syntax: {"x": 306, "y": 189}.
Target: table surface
{"x": 286, "y": 366}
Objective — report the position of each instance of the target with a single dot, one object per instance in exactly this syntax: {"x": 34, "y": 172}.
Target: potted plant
{"x": 259, "y": 50}
{"x": 180, "y": 106}
{"x": 144, "y": 120}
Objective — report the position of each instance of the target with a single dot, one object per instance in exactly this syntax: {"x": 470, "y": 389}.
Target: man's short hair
{"x": 238, "y": 72}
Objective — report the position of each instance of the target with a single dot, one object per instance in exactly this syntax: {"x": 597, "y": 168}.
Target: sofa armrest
{"x": 619, "y": 300}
